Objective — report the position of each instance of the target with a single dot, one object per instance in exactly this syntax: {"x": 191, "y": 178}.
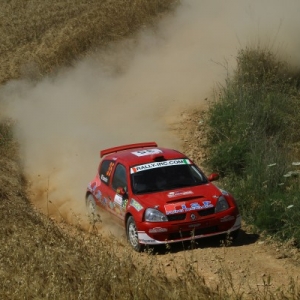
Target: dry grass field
{"x": 36, "y": 38}
{"x": 43, "y": 259}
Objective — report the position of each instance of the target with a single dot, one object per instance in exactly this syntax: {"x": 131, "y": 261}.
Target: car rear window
{"x": 106, "y": 169}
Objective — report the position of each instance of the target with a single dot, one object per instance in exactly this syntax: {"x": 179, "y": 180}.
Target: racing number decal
{"x": 108, "y": 172}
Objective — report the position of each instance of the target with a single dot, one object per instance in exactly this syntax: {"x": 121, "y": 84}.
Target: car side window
{"x": 119, "y": 178}
{"x": 106, "y": 169}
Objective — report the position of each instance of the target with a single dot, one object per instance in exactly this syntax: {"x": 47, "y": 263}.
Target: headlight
{"x": 154, "y": 215}
{"x": 222, "y": 204}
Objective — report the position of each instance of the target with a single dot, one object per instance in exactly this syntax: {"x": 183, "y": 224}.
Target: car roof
{"x": 131, "y": 155}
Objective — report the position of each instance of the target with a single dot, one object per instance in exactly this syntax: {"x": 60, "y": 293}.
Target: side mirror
{"x": 213, "y": 177}
{"x": 122, "y": 191}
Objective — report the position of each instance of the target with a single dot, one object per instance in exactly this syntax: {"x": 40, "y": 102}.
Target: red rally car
{"x": 160, "y": 196}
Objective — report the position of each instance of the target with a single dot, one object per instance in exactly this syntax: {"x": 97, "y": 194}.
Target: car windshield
{"x": 166, "y": 178}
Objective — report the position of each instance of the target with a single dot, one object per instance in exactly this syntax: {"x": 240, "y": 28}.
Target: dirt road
{"x": 252, "y": 265}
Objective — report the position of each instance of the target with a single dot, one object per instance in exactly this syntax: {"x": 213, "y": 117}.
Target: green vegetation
{"x": 254, "y": 132}
{"x": 41, "y": 260}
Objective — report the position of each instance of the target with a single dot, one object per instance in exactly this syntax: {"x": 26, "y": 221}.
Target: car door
{"x": 105, "y": 174}
{"x": 118, "y": 191}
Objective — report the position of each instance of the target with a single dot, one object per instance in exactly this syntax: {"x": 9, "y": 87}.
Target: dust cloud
{"x": 133, "y": 91}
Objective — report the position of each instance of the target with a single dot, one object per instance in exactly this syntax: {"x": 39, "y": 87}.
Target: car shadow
{"x": 243, "y": 239}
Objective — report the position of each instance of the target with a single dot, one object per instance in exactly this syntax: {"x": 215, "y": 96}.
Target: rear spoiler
{"x": 126, "y": 147}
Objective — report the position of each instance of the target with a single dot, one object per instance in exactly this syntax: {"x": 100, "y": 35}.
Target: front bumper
{"x": 167, "y": 234}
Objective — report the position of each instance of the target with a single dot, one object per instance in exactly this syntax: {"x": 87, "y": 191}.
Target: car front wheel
{"x": 132, "y": 234}
{"x": 234, "y": 234}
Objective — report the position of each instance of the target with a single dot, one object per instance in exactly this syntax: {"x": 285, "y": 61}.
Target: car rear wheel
{"x": 91, "y": 209}
{"x": 132, "y": 234}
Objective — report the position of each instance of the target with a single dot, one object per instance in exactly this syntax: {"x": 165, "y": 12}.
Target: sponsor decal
{"x": 177, "y": 208}
{"x": 124, "y": 203}
{"x": 136, "y": 205}
{"x": 147, "y": 152}
{"x": 144, "y": 238}
{"x": 160, "y": 164}
{"x": 103, "y": 201}
{"x": 111, "y": 205}
{"x": 179, "y": 193}
{"x": 143, "y": 241}
{"x": 207, "y": 204}
{"x": 98, "y": 195}
{"x": 103, "y": 178}
{"x": 157, "y": 230}
{"x": 121, "y": 203}
{"x": 93, "y": 189}
{"x": 90, "y": 187}
{"x": 118, "y": 199}
{"x": 110, "y": 168}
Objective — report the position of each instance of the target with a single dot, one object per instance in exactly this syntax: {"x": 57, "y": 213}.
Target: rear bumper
{"x": 160, "y": 235}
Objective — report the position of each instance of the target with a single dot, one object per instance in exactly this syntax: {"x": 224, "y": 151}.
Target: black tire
{"x": 234, "y": 234}
{"x": 132, "y": 235}
{"x": 91, "y": 209}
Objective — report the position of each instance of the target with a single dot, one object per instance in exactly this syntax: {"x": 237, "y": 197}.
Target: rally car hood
{"x": 182, "y": 200}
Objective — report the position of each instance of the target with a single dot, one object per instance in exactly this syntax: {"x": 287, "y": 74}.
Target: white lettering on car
{"x": 118, "y": 199}
{"x": 105, "y": 179}
{"x": 160, "y": 164}
{"x": 136, "y": 205}
{"x": 147, "y": 152}
{"x": 98, "y": 195}
{"x": 157, "y": 229}
{"x": 179, "y": 193}
{"x": 176, "y": 208}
